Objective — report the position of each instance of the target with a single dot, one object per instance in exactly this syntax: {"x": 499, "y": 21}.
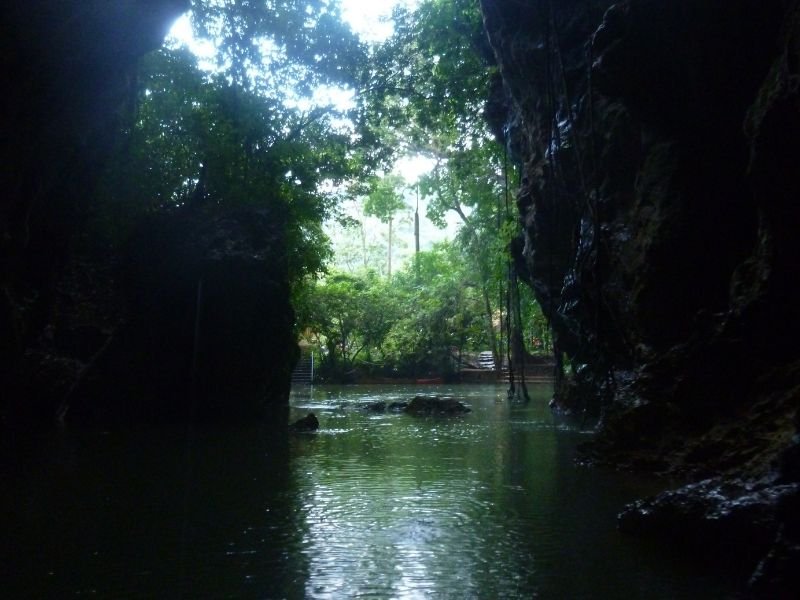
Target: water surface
{"x": 374, "y": 505}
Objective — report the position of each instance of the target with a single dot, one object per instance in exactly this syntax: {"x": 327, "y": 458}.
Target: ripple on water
{"x": 415, "y": 536}
{"x": 485, "y": 505}
{"x": 489, "y": 505}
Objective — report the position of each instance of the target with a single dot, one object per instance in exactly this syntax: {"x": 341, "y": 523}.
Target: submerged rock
{"x": 435, "y": 405}
{"x": 307, "y": 423}
{"x": 715, "y": 520}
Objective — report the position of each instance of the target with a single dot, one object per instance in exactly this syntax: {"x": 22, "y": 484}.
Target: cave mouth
{"x": 190, "y": 169}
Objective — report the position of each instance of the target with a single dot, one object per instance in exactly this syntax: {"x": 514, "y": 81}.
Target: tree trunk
{"x": 390, "y": 249}
{"x": 515, "y": 334}
{"x": 364, "y": 245}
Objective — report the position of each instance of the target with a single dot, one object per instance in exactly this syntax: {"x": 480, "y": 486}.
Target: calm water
{"x": 374, "y": 505}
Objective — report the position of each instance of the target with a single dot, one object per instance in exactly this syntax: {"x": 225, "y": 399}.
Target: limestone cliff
{"x": 67, "y": 75}
{"x": 658, "y": 145}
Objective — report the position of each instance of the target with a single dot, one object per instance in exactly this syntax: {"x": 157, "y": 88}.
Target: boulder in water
{"x": 436, "y": 405}
{"x": 307, "y": 423}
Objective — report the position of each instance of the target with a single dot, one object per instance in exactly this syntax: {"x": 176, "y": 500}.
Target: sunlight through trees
{"x": 284, "y": 105}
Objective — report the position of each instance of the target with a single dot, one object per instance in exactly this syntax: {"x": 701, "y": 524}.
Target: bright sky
{"x": 369, "y": 18}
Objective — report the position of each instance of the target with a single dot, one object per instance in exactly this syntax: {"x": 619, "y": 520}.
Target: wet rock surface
{"x": 419, "y": 406}
{"x": 68, "y": 76}
{"x": 720, "y": 520}
{"x": 436, "y": 405}
{"x": 306, "y": 424}
{"x": 659, "y": 209}
{"x": 376, "y": 407}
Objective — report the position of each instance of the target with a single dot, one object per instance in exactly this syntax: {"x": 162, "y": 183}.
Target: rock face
{"x": 67, "y": 75}
{"x": 191, "y": 321}
{"x": 435, "y": 405}
{"x": 657, "y": 142}
{"x": 209, "y": 327}
{"x": 718, "y": 521}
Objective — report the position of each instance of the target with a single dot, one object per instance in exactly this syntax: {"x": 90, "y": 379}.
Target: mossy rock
{"x": 436, "y": 405}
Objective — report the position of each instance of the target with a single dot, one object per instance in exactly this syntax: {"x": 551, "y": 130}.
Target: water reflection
{"x": 382, "y": 505}
{"x": 490, "y": 504}
{"x": 151, "y": 513}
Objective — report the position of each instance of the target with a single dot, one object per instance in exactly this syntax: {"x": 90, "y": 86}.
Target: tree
{"x": 349, "y": 317}
{"x": 280, "y": 45}
{"x": 433, "y": 83}
{"x": 409, "y": 326}
{"x": 383, "y": 202}
{"x": 207, "y": 141}
{"x": 428, "y": 83}
{"x": 442, "y": 314}
{"x": 198, "y": 141}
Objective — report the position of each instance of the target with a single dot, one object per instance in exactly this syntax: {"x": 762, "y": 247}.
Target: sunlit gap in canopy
{"x": 370, "y": 20}
{"x": 338, "y": 98}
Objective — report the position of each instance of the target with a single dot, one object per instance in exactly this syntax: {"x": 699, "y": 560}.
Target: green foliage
{"x": 431, "y": 79}
{"x": 348, "y": 316}
{"x": 424, "y": 91}
{"x": 444, "y": 316}
{"x": 414, "y": 325}
{"x": 279, "y": 44}
{"x": 431, "y": 88}
{"x": 385, "y": 197}
{"x": 236, "y": 137}
{"x": 287, "y": 50}
{"x": 201, "y": 141}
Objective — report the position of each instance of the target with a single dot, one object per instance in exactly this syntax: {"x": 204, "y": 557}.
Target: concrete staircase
{"x": 303, "y": 373}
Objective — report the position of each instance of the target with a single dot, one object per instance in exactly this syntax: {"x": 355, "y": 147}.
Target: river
{"x": 373, "y": 505}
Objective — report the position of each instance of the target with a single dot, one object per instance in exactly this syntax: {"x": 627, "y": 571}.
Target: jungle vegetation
{"x": 246, "y": 127}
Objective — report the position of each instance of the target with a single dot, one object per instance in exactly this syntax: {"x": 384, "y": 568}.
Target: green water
{"x": 374, "y": 505}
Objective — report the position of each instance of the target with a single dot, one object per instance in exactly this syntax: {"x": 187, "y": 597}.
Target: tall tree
{"x": 435, "y": 80}
{"x": 384, "y": 201}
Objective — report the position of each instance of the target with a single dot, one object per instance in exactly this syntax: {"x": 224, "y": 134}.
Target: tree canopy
{"x": 243, "y": 132}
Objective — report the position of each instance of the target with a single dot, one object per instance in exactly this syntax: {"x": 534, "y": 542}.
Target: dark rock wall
{"x": 204, "y": 327}
{"x": 83, "y": 333}
{"x": 658, "y": 199}
{"x": 658, "y": 143}
{"x": 67, "y": 75}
